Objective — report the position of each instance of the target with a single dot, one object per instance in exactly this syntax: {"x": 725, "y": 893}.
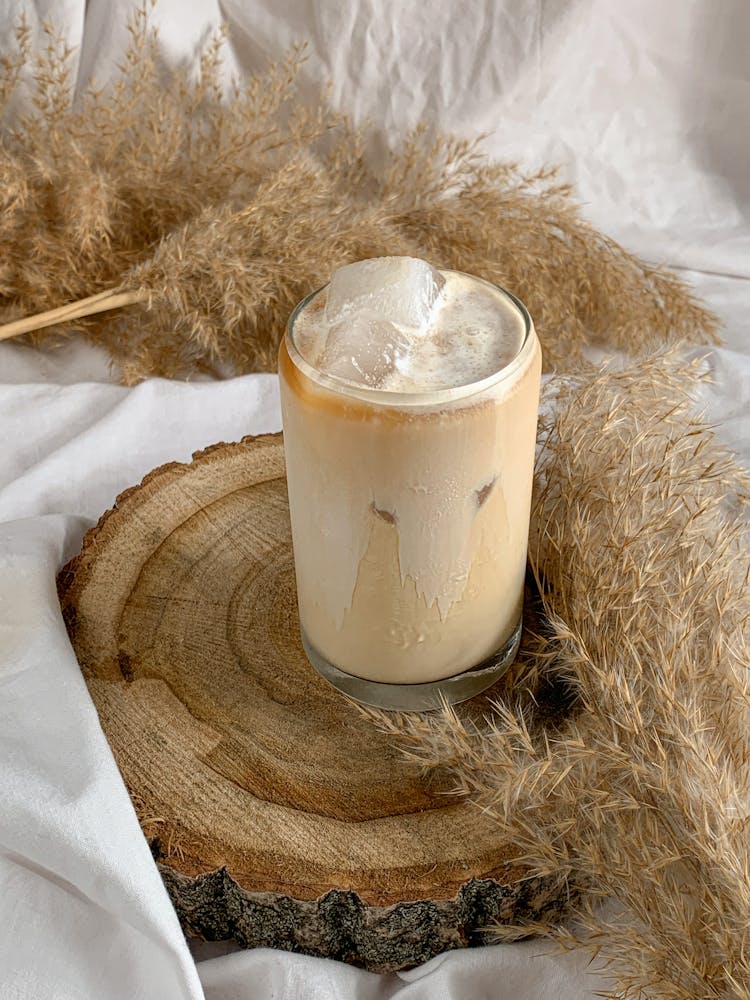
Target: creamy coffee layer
{"x": 410, "y": 514}
{"x": 473, "y": 330}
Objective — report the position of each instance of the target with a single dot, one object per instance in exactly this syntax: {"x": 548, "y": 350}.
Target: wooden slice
{"x": 278, "y": 815}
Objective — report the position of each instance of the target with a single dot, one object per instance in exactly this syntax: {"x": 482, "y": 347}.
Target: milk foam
{"x": 475, "y": 331}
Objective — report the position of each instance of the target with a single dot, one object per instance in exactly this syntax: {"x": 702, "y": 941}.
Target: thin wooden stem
{"x": 101, "y": 302}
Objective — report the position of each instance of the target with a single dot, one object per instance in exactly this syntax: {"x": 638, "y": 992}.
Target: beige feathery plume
{"x": 209, "y": 211}
{"x": 640, "y": 791}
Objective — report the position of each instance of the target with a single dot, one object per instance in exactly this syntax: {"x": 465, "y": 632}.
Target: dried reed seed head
{"x": 640, "y": 545}
{"x": 160, "y": 166}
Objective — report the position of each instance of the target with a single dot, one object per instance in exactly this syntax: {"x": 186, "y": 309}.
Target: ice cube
{"x": 401, "y": 290}
{"x": 363, "y": 350}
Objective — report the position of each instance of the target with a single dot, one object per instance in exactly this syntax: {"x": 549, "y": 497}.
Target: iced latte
{"x": 409, "y": 403}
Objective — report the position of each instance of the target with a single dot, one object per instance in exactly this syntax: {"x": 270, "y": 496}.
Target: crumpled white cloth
{"x": 644, "y": 105}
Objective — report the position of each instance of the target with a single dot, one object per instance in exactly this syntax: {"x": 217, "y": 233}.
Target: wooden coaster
{"x": 278, "y": 815}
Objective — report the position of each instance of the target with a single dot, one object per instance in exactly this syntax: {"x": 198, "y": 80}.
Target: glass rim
{"x": 427, "y": 397}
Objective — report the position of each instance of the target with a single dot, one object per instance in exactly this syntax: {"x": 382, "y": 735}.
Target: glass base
{"x": 419, "y": 697}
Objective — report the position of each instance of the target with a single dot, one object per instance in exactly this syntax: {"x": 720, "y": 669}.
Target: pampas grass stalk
{"x": 90, "y": 306}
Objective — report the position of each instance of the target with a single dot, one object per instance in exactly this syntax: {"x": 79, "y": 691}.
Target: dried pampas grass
{"x": 211, "y": 211}
{"x": 640, "y": 791}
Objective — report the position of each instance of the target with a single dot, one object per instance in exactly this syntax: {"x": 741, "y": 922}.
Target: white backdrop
{"x": 644, "y": 105}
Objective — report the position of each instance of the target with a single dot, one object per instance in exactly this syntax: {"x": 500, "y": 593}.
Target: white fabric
{"x": 645, "y": 105}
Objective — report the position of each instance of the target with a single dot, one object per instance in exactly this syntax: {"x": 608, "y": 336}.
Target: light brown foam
{"x": 476, "y": 331}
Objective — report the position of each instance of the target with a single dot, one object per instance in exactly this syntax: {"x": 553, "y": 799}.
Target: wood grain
{"x": 264, "y": 791}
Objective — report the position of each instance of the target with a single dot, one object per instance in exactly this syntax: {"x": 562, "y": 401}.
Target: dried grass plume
{"x": 211, "y": 210}
{"x": 640, "y": 790}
